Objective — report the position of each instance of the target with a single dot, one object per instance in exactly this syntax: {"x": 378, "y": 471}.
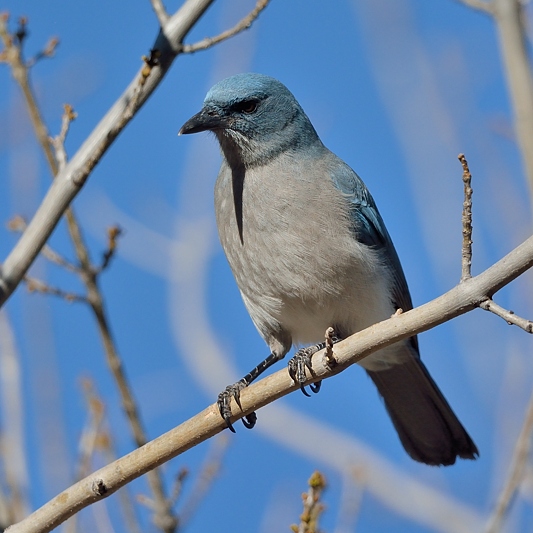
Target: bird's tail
{"x": 428, "y": 428}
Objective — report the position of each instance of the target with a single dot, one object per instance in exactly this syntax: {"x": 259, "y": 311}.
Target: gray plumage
{"x": 309, "y": 250}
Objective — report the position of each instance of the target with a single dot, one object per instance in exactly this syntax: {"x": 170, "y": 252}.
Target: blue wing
{"x": 369, "y": 229}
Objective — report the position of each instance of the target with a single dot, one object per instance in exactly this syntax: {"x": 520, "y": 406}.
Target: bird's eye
{"x": 248, "y": 106}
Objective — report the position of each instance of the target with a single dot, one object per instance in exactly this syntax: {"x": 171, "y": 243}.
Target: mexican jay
{"x": 309, "y": 251}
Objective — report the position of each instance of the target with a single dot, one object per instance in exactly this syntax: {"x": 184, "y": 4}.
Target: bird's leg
{"x": 303, "y": 359}
{"x": 234, "y": 391}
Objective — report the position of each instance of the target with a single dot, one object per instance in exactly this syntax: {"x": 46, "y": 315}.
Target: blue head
{"x": 254, "y": 117}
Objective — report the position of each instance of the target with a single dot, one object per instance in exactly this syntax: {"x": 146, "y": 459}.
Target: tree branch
{"x": 466, "y": 255}
{"x": 72, "y": 177}
{"x": 242, "y": 25}
{"x": 509, "y": 18}
{"x": 517, "y": 471}
{"x": 160, "y": 12}
{"x": 480, "y": 5}
{"x": 463, "y": 298}
{"x": 508, "y": 316}
{"x": 164, "y": 517}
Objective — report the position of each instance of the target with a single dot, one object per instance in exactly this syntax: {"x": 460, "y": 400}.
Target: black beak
{"x": 206, "y": 119}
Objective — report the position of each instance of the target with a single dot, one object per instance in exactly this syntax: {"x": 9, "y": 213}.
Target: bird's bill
{"x": 206, "y": 119}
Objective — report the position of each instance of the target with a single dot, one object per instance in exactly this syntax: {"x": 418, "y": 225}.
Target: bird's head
{"x": 254, "y": 117}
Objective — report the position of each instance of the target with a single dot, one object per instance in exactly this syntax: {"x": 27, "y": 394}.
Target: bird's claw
{"x": 303, "y": 359}
{"x": 224, "y": 405}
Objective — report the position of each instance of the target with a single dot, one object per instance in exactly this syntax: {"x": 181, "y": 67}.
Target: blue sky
{"x": 398, "y": 90}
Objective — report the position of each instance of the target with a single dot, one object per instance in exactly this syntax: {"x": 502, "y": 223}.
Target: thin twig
{"x": 58, "y": 142}
{"x": 508, "y": 316}
{"x": 160, "y": 12}
{"x": 204, "y": 480}
{"x": 164, "y": 517}
{"x": 36, "y": 285}
{"x": 113, "y": 233}
{"x": 88, "y": 441}
{"x": 466, "y": 254}
{"x": 242, "y": 25}
{"x": 14, "y": 503}
{"x": 17, "y": 223}
{"x": 69, "y": 182}
{"x": 47, "y": 52}
{"x": 517, "y": 471}
{"x": 313, "y": 507}
{"x": 59, "y": 260}
{"x": 486, "y": 6}
{"x": 351, "y": 498}
{"x": 90, "y": 435}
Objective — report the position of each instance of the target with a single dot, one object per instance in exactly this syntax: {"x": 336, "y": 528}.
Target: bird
{"x": 309, "y": 251}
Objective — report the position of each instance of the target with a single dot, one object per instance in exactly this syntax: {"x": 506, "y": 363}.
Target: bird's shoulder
{"x": 368, "y": 226}
{"x": 367, "y": 222}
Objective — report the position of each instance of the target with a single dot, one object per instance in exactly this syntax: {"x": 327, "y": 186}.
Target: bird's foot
{"x": 303, "y": 359}
{"x": 224, "y": 405}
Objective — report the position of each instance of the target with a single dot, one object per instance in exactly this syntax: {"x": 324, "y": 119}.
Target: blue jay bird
{"x": 309, "y": 251}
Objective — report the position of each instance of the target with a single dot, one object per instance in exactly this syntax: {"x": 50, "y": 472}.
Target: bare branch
{"x": 113, "y": 233}
{"x": 459, "y": 300}
{"x": 58, "y": 142}
{"x": 69, "y": 181}
{"x": 508, "y": 316}
{"x": 466, "y": 255}
{"x": 487, "y": 6}
{"x": 244, "y": 24}
{"x": 203, "y": 481}
{"x": 14, "y": 503}
{"x": 509, "y": 17}
{"x": 164, "y": 517}
{"x": 48, "y": 51}
{"x": 517, "y": 471}
{"x": 160, "y": 12}
{"x": 35, "y": 285}
{"x": 313, "y": 507}
{"x": 90, "y": 435}
{"x": 17, "y": 223}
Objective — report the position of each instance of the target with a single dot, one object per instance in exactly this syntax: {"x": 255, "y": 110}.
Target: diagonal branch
{"x": 164, "y": 517}
{"x": 459, "y": 300}
{"x": 487, "y": 6}
{"x": 242, "y": 25}
{"x": 509, "y": 316}
{"x": 160, "y": 12}
{"x": 517, "y": 472}
{"x": 69, "y": 181}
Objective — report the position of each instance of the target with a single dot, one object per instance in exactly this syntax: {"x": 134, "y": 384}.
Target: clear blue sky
{"x": 397, "y": 89}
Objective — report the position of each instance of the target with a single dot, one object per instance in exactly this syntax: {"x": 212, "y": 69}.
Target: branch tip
{"x": 480, "y": 5}
{"x": 242, "y": 25}
{"x": 466, "y": 254}
{"x": 509, "y": 316}
{"x": 160, "y": 12}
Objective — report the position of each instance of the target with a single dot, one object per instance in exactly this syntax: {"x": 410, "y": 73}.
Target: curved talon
{"x": 224, "y": 405}
{"x": 249, "y": 420}
{"x": 297, "y": 365}
{"x": 302, "y": 388}
{"x": 315, "y": 387}
{"x": 229, "y": 425}
{"x": 224, "y": 408}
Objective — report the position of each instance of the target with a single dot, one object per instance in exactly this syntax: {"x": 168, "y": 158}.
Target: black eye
{"x": 248, "y": 106}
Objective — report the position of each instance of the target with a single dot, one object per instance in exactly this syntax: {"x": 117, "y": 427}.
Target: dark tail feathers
{"x": 428, "y": 428}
